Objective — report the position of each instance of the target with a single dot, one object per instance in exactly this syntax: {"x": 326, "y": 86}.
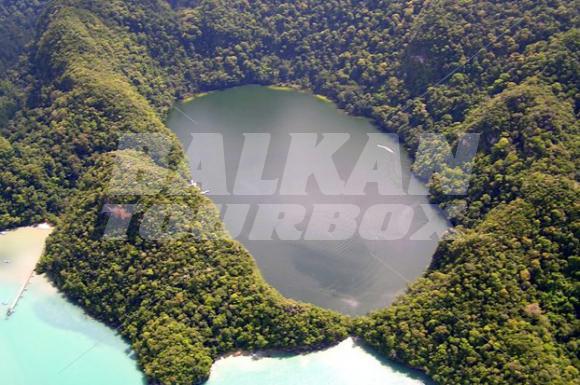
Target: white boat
{"x": 386, "y": 148}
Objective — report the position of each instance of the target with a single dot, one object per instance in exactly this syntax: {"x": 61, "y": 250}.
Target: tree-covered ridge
{"x": 17, "y": 28}
{"x": 500, "y": 301}
{"x": 218, "y": 302}
{"x": 25, "y": 196}
{"x": 88, "y": 82}
{"x": 181, "y": 301}
{"x": 498, "y": 305}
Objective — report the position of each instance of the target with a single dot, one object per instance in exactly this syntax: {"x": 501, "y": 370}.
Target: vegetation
{"x": 184, "y": 300}
{"x": 17, "y": 25}
{"x": 499, "y": 303}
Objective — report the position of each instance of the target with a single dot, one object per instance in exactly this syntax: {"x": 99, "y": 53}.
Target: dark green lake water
{"x": 351, "y": 274}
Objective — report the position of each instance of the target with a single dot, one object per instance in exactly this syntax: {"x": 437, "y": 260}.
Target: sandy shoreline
{"x": 20, "y": 251}
{"x": 281, "y": 353}
{"x": 346, "y": 363}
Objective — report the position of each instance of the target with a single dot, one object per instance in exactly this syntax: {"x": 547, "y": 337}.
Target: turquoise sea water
{"x": 345, "y": 364}
{"x": 49, "y": 341}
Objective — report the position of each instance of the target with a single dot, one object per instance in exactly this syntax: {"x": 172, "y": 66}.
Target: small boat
{"x": 205, "y": 192}
{"x": 6, "y": 261}
{"x": 386, "y": 148}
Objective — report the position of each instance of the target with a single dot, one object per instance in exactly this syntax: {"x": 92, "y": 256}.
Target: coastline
{"x": 18, "y": 264}
{"x": 17, "y": 267}
{"x": 46, "y": 330}
{"x": 281, "y": 353}
{"x": 343, "y": 361}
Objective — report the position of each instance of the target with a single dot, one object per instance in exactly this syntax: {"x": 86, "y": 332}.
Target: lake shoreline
{"x": 315, "y": 357}
{"x": 257, "y": 108}
{"x": 274, "y": 87}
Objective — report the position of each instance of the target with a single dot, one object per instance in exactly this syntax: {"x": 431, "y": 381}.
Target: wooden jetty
{"x": 12, "y": 307}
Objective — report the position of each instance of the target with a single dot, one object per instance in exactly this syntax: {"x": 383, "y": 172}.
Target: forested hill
{"x": 17, "y": 28}
{"x": 498, "y": 305}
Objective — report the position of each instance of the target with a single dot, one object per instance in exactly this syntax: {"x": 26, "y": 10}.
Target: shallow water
{"x": 344, "y": 364}
{"x": 48, "y": 340}
{"x": 352, "y": 275}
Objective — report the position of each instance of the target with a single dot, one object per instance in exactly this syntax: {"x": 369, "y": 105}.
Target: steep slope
{"x": 181, "y": 300}
{"x": 17, "y": 26}
{"x": 498, "y": 305}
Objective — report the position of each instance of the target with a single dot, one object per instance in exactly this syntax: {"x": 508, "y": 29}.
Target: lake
{"x": 50, "y": 341}
{"x": 325, "y": 240}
